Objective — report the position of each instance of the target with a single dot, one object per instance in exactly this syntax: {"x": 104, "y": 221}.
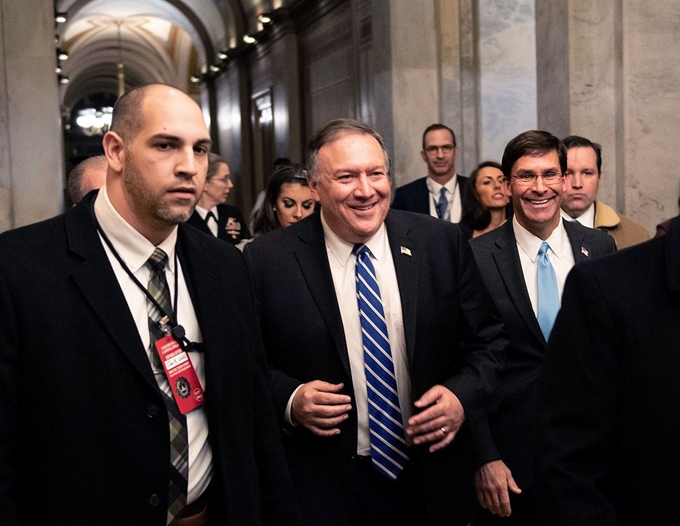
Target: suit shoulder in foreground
{"x": 607, "y": 414}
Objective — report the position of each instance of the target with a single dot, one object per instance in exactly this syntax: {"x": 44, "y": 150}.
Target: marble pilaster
{"x": 507, "y": 64}
{"x": 414, "y": 81}
{"x": 31, "y": 160}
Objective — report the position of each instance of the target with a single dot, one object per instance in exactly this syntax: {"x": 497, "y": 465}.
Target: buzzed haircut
{"x": 535, "y": 143}
{"x": 335, "y": 130}
{"x": 126, "y": 119}
{"x": 74, "y": 180}
{"x": 214, "y": 162}
{"x": 438, "y": 126}
{"x": 576, "y": 141}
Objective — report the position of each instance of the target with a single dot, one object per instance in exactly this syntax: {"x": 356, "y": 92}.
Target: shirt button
{"x": 152, "y": 411}
{"x": 154, "y": 500}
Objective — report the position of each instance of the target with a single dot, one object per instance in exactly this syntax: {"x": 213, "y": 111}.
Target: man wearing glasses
{"x": 439, "y": 193}
{"x": 524, "y": 264}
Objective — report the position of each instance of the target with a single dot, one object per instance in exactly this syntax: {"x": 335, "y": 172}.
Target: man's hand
{"x": 492, "y": 481}
{"x": 318, "y": 407}
{"x": 440, "y": 422}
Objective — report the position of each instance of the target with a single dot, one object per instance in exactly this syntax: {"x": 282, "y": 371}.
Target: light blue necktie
{"x": 443, "y": 204}
{"x": 388, "y": 447}
{"x": 548, "y": 296}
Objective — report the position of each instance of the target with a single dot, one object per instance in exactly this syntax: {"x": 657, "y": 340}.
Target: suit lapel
{"x": 509, "y": 267}
{"x": 197, "y": 221}
{"x": 579, "y": 246}
{"x": 312, "y": 257}
{"x": 202, "y": 277}
{"x": 97, "y": 282}
{"x": 406, "y": 258}
{"x": 423, "y": 198}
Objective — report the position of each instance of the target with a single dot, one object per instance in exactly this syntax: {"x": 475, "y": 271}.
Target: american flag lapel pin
{"x": 584, "y": 252}
{"x": 405, "y": 250}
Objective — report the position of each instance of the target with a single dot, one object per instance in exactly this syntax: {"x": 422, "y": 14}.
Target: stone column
{"x": 31, "y": 151}
{"x": 408, "y": 71}
{"x": 507, "y": 62}
{"x": 624, "y": 73}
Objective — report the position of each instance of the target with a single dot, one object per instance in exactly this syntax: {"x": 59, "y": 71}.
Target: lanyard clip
{"x": 164, "y": 324}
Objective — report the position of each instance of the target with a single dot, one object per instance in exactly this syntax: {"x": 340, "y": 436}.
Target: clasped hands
{"x": 320, "y": 407}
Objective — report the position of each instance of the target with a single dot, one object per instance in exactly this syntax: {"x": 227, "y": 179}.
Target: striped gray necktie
{"x": 179, "y": 442}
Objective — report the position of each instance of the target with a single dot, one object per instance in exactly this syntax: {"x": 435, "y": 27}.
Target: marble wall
{"x": 31, "y": 151}
{"x": 6, "y": 205}
{"x": 651, "y": 109}
{"x": 507, "y": 69}
{"x": 625, "y": 94}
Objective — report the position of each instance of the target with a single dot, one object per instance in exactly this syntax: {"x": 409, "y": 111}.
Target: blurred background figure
{"x": 214, "y": 217}
{"x": 662, "y": 228}
{"x": 87, "y": 176}
{"x": 287, "y": 199}
{"x": 485, "y": 204}
{"x": 279, "y": 161}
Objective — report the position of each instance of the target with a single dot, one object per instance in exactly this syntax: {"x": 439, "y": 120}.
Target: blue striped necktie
{"x": 388, "y": 446}
{"x": 443, "y": 204}
{"x": 548, "y": 296}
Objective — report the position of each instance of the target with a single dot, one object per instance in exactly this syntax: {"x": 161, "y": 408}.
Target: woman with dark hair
{"x": 485, "y": 204}
{"x": 287, "y": 199}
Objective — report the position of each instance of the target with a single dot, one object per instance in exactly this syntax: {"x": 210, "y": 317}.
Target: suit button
{"x": 154, "y": 500}
{"x": 152, "y": 411}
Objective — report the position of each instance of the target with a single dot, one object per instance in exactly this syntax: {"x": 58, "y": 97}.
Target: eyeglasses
{"x": 527, "y": 178}
{"x": 447, "y": 148}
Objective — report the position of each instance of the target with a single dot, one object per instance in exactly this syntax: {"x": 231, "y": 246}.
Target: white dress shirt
{"x": 455, "y": 207}
{"x": 212, "y": 224}
{"x": 587, "y": 218}
{"x": 343, "y": 263}
{"x": 135, "y": 250}
{"x": 560, "y": 254}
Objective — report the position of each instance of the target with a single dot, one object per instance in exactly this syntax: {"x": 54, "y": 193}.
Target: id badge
{"x": 181, "y": 374}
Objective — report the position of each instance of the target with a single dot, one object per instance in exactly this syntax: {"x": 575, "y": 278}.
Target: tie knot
{"x": 442, "y": 193}
{"x": 360, "y": 250}
{"x": 158, "y": 260}
{"x": 544, "y": 249}
{"x": 209, "y": 216}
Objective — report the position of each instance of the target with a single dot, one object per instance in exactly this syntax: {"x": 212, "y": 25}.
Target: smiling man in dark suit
{"x": 105, "y": 419}
{"x": 524, "y": 264}
{"x": 383, "y": 341}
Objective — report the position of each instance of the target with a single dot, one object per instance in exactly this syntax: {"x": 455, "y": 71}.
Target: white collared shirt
{"x": 212, "y": 225}
{"x": 135, "y": 250}
{"x": 343, "y": 263}
{"x": 455, "y": 208}
{"x": 560, "y": 254}
{"x": 587, "y": 218}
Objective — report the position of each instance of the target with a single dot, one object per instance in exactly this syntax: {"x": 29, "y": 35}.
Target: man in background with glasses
{"x": 524, "y": 264}
{"x": 439, "y": 193}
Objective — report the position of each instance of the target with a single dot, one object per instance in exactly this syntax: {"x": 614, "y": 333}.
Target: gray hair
{"x": 333, "y": 131}
{"x": 75, "y": 178}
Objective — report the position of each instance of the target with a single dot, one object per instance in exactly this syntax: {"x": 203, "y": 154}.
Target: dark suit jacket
{"x": 508, "y": 432}
{"x": 238, "y": 225}
{"x": 415, "y": 197}
{"x": 608, "y": 410}
{"x": 84, "y": 432}
{"x": 453, "y": 337}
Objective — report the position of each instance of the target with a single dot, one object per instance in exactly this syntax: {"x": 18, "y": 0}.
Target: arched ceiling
{"x": 158, "y": 40}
